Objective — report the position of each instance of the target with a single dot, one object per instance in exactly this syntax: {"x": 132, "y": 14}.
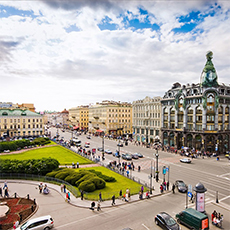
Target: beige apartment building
{"x": 147, "y": 120}
{"x": 111, "y": 117}
{"x": 79, "y": 117}
{"x": 20, "y": 122}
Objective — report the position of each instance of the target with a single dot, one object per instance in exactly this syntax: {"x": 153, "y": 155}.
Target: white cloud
{"x": 58, "y": 70}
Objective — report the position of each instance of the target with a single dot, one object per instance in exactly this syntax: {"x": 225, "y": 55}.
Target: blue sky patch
{"x": 107, "y": 25}
{"x": 72, "y": 28}
{"x": 7, "y": 11}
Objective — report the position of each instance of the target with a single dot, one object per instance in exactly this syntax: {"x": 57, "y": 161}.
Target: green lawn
{"x": 63, "y": 155}
{"x": 113, "y": 188}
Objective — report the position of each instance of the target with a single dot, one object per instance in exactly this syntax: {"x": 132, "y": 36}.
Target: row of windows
{"x": 146, "y": 115}
{"x": 120, "y": 110}
{"x": 119, "y": 115}
{"x": 146, "y": 107}
{"x": 143, "y": 131}
{"x": 19, "y": 120}
{"x": 150, "y": 123}
{"x": 19, "y": 126}
{"x": 123, "y": 120}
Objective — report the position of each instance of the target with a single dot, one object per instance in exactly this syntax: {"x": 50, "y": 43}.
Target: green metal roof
{"x": 18, "y": 112}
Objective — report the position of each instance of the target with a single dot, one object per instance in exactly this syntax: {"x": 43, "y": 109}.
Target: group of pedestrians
{"x": 165, "y": 186}
{"x": 43, "y": 189}
{"x": 217, "y": 218}
{"x": 4, "y": 191}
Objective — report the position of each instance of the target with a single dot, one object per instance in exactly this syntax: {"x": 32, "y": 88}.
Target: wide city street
{"x": 213, "y": 174}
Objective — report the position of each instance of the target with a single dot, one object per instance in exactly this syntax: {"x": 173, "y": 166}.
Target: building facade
{"x": 110, "y": 117}
{"x": 20, "y": 123}
{"x": 197, "y": 115}
{"x": 147, "y": 120}
{"x": 79, "y": 117}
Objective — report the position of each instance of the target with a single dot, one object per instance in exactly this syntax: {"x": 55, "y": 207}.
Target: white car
{"x": 185, "y": 160}
{"x": 40, "y": 223}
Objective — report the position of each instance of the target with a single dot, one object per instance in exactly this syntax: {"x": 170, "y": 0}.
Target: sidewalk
{"x": 73, "y": 200}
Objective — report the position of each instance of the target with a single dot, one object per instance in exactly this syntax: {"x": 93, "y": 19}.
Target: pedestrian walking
{"x": 77, "y": 164}
{"x": 92, "y": 206}
{"x": 161, "y": 188}
{"x": 64, "y": 188}
{"x": 100, "y": 197}
{"x": 40, "y": 186}
{"x": 167, "y": 185}
{"x": 69, "y": 195}
{"x": 139, "y": 168}
{"x": 82, "y": 194}
{"x": 173, "y": 188}
{"x": 6, "y": 193}
{"x": 120, "y": 194}
{"x": 142, "y": 188}
{"x": 113, "y": 200}
{"x": 98, "y": 206}
{"x": 0, "y": 190}
{"x": 5, "y": 185}
{"x": 67, "y": 198}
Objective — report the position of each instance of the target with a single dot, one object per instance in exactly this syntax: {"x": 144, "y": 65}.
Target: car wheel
{"x": 178, "y": 221}
{"x": 46, "y": 228}
{"x": 156, "y": 221}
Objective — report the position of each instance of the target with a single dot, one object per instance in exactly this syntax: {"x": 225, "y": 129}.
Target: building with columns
{"x": 197, "y": 115}
{"x": 147, "y": 120}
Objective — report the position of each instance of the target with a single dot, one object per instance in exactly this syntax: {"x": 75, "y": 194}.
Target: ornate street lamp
{"x": 157, "y": 172}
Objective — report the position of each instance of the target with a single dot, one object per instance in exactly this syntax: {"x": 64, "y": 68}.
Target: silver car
{"x": 40, "y": 223}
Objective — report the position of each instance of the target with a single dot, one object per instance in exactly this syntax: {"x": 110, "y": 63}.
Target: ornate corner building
{"x": 197, "y": 115}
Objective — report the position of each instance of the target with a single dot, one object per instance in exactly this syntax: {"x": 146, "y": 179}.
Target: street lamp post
{"x": 157, "y": 172}
{"x": 151, "y": 177}
{"x": 103, "y": 143}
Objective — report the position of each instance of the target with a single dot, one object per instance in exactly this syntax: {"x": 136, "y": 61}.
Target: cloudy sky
{"x": 64, "y": 53}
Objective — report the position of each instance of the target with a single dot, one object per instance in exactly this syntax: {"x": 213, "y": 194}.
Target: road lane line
{"x": 145, "y": 227}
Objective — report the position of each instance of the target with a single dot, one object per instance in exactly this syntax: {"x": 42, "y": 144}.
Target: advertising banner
{"x": 200, "y": 202}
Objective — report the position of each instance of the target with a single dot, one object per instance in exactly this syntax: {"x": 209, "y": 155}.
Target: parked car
{"x": 134, "y": 156}
{"x": 181, "y": 186}
{"x": 108, "y": 151}
{"x": 39, "y": 223}
{"x": 139, "y": 155}
{"x": 185, "y": 160}
{"x": 6, "y": 151}
{"x": 88, "y": 137}
{"x": 165, "y": 221}
{"x": 87, "y": 146}
{"x": 120, "y": 144}
{"x": 100, "y": 149}
{"x": 126, "y": 157}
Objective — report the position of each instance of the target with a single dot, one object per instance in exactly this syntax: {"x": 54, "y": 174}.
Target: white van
{"x": 40, "y": 223}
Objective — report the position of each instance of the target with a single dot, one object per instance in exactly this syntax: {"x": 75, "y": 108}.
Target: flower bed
{"x": 19, "y": 209}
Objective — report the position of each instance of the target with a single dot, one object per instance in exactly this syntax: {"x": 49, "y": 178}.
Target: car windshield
{"x": 170, "y": 221}
{"x": 182, "y": 184}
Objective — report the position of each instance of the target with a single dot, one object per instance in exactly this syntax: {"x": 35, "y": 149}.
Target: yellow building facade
{"x": 79, "y": 117}
{"x": 113, "y": 118}
{"x": 20, "y": 123}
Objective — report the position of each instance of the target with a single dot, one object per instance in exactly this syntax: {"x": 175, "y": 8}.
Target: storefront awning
{"x": 99, "y": 131}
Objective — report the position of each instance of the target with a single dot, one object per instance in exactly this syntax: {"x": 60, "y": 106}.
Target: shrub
{"x": 84, "y": 178}
{"x": 62, "y": 174}
{"x": 102, "y": 176}
{"x": 99, "y": 183}
{"x": 87, "y": 186}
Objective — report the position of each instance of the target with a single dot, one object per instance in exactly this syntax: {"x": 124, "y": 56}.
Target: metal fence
{"x": 31, "y": 177}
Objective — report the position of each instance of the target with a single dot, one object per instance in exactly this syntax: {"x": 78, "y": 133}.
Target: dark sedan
{"x": 126, "y": 157}
{"x": 181, "y": 186}
{"x": 120, "y": 144}
{"x": 165, "y": 221}
{"x": 135, "y": 156}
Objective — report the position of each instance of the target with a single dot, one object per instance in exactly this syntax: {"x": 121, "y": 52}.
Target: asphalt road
{"x": 214, "y": 175}
{"x": 138, "y": 215}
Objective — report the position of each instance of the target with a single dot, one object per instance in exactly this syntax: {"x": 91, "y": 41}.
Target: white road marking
{"x": 145, "y": 227}
{"x": 224, "y": 198}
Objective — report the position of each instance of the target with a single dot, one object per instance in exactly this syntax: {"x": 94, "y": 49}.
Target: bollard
{"x": 32, "y": 208}
{"x": 20, "y": 216}
{"x": 28, "y": 196}
{"x": 34, "y": 201}
{"x": 15, "y": 195}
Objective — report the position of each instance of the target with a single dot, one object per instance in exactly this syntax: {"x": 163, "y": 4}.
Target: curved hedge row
{"x": 33, "y": 166}
{"x": 86, "y": 180}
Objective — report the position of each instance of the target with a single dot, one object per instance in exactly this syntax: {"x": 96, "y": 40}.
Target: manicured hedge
{"x": 86, "y": 180}
{"x": 14, "y": 145}
{"x": 34, "y": 166}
